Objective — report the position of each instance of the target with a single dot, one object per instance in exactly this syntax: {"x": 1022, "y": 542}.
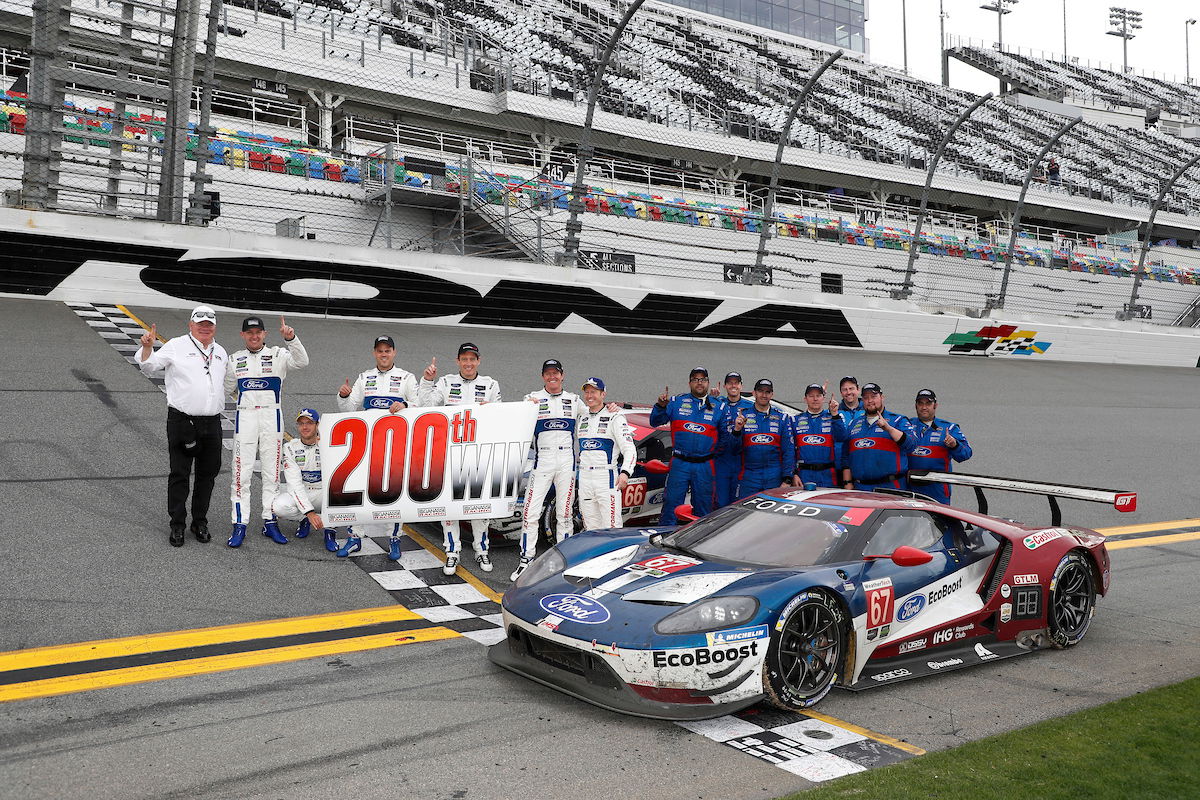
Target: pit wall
{"x": 79, "y": 258}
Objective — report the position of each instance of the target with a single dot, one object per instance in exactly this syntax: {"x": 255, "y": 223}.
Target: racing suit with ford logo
{"x": 819, "y": 440}
{"x": 455, "y": 390}
{"x": 603, "y": 438}
{"x": 303, "y": 483}
{"x": 378, "y": 390}
{"x": 698, "y": 432}
{"x": 768, "y": 453}
{"x": 553, "y": 465}
{"x": 875, "y": 460}
{"x": 932, "y": 453}
{"x": 729, "y": 461}
{"x": 256, "y": 380}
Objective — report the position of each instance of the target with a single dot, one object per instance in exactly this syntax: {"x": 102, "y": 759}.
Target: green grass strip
{"x": 1147, "y": 745}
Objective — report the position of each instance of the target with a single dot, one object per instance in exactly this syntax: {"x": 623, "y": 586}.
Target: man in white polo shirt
{"x": 194, "y": 367}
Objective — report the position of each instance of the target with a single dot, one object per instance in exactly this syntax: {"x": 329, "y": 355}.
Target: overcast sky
{"x": 1034, "y": 25}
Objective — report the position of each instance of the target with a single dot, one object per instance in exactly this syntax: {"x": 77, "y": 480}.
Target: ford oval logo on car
{"x": 556, "y": 425}
{"x": 762, "y": 438}
{"x": 693, "y": 427}
{"x": 813, "y": 440}
{"x": 252, "y": 383}
{"x": 912, "y": 606}
{"x": 380, "y": 402}
{"x": 922, "y": 451}
{"x": 575, "y": 608}
{"x": 864, "y": 443}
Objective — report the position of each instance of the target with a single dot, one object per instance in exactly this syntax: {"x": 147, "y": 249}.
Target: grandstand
{"x": 450, "y": 126}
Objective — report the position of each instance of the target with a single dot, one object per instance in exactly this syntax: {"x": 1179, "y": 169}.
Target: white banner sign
{"x": 425, "y": 464}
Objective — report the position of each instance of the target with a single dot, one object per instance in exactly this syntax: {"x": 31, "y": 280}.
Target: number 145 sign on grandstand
{"x": 462, "y": 462}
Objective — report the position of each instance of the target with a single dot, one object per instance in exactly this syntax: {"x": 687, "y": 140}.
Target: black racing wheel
{"x": 807, "y": 651}
{"x": 1072, "y": 600}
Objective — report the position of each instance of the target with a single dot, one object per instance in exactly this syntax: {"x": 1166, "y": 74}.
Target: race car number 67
{"x": 881, "y": 599}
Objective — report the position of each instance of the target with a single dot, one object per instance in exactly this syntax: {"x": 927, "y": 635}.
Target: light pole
{"x": 1001, "y": 7}
{"x": 1124, "y": 21}
{"x": 904, "y": 31}
{"x": 1064, "y": 31}
{"x": 942, "y": 30}
{"x": 1187, "y": 50}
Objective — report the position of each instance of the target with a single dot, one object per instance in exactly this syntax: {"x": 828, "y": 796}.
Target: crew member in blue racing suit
{"x": 729, "y": 461}
{"x": 878, "y": 446}
{"x": 851, "y": 406}
{"x": 765, "y": 443}
{"x": 938, "y": 443}
{"x": 819, "y": 435}
{"x": 697, "y": 433}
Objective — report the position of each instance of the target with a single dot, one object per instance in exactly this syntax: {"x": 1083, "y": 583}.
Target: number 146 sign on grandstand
{"x": 462, "y": 462}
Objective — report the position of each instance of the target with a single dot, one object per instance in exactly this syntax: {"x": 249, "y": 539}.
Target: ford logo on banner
{"x": 813, "y": 440}
{"x": 864, "y": 443}
{"x": 575, "y": 608}
{"x": 922, "y": 451}
{"x": 254, "y": 383}
{"x": 589, "y": 444}
{"x": 555, "y": 425}
{"x": 693, "y": 427}
{"x": 379, "y": 402}
{"x": 762, "y": 438}
{"x": 912, "y": 606}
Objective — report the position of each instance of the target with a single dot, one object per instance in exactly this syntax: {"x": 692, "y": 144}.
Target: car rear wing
{"x": 1121, "y": 500}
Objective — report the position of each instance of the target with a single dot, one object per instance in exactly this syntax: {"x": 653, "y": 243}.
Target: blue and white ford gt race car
{"x": 790, "y": 592}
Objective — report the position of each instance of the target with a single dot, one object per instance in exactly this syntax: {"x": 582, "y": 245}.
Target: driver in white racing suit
{"x": 468, "y": 387}
{"x": 604, "y": 436}
{"x": 255, "y": 379}
{"x": 385, "y": 387}
{"x": 301, "y": 498}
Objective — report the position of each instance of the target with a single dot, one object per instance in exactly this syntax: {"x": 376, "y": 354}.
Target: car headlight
{"x": 545, "y": 565}
{"x": 709, "y": 615}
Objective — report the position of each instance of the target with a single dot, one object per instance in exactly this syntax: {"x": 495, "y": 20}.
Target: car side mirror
{"x": 905, "y": 556}
{"x": 685, "y": 514}
{"x": 655, "y": 467}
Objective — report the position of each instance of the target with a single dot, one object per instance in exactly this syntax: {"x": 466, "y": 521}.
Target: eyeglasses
{"x": 204, "y": 317}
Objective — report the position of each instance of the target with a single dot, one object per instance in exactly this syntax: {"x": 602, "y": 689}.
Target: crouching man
{"x": 302, "y": 473}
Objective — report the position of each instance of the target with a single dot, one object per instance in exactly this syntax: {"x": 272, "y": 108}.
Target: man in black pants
{"x": 195, "y": 382}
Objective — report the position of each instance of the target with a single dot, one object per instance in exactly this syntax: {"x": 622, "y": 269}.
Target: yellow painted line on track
{"x": 1151, "y": 541}
{"x": 462, "y": 571}
{"x": 174, "y": 640}
{"x": 136, "y": 319}
{"x": 870, "y": 734}
{"x": 200, "y": 666}
{"x": 1150, "y": 526}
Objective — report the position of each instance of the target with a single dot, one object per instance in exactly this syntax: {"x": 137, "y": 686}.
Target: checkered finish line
{"x": 124, "y": 335}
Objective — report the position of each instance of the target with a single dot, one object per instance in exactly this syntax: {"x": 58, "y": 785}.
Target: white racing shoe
{"x": 451, "y": 564}
{"x": 485, "y": 561}
{"x": 521, "y": 567}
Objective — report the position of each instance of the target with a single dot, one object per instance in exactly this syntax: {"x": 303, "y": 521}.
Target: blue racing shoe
{"x": 353, "y": 545}
{"x": 331, "y": 540}
{"x": 303, "y": 529}
{"x": 239, "y": 533}
{"x": 394, "y": 552}
{"x": 272, "y": 532}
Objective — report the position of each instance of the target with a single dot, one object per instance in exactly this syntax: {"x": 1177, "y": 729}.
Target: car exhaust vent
{"x": 999, "y": 568}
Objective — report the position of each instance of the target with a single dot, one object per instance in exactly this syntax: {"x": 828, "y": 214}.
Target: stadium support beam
{"x": 199, "y": 212}
{"x": 1145, "y": 248}
{"x": 40, "y": 173}
{"x": 914, "y": 245}
{"x": 1016, "y": 221}
{"x": 570, "y": 256}
{"x": 768, "y": 215}
{"x": 175, "y": 133}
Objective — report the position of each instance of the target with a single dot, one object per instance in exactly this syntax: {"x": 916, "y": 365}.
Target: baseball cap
{"x": 764, "y": 383}
{"x": 928, "y": 394}
{"x": 311, "y": 413}
{"x": 597, "y": 382}
{"x": 389, "y": 341}
{"x": 818, "y": 387}
{"x": 872, "y": 387}
{"x": 552, "y": 363}
{"x": 467, "y": 347}
{"x": 702, "y": 370}
{"x": 253, "y": 322}
{"x": 850, "y": 378}
{"x": 204, "y": 314}
{"x": 733, "y": 376}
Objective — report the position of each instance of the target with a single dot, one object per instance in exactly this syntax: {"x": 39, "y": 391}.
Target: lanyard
{"x": 206, "y": 356}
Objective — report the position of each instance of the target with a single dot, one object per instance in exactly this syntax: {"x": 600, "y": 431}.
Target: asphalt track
{"x": 81, "y": 486}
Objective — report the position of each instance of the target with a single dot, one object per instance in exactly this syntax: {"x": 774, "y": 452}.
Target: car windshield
{"x": 774, "y": 532}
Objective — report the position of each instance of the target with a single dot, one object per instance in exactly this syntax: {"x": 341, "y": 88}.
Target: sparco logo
{"x": 693, "y": 427}
{"x": 864, "y": 443}
{"x": 702, "y": 656}
{"x": 762, "y": 438}
{"x": 951, "y": 662}
{"x": 575, "y": 607}
{"x": 556, "y": 425}
{"x": 253, "y": 383}
{"x": 813, "y": 440}
{"x": 945, "y": 591}
{"x": 887, "y": 676}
